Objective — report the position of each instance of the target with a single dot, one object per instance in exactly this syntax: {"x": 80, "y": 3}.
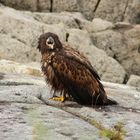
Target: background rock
{"x": 20, "y": 4}
{"x": 14, "y": 67}
{"x": 132, "y": 13}
{"x": 123, "y": 10}
{"x": 14, "y": 49}
{"x": 122, "y": 44}
{"x": 24, "y": 28}
{"x": 134, "y": 80}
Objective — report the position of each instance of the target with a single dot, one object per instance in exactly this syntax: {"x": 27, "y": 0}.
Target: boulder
{"x": 24, "y": 28}
{"x": 65, "y": 5}
{"x": 97, "y": 25}
{"x": 108, "y": 68}
{"x": 8, "y": 66}
{"x": 87, "y": 8}
{"x": 67, "y": 18}
{"x": 15, "y": 50}
{"x": 132, "y": 12}
{"x": 20, "y": 4}
{"x": 134, "y": 80}
{"x": 114, "y": 11}
{"x": 111, "y": 10}
{"x": 122, "y": 43}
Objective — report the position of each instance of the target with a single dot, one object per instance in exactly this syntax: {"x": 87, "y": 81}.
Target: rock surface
{"x": 14, "y": 67}
{"x": 22, "y": 111}
{"x": 121, "y": 43}
{"x": 123, "y": 10}
{"x": 134, "y": 80}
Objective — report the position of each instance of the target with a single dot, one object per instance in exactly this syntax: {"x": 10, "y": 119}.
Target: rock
{"x": 111, "y": 10}
{"x": 65, "y": 5}
{"x": 122, "y": 43}
{"x": 23, "y": 110}
{"x": 15, "y": 50}
{"x": 108, "y": 68}
{"x": 134, "y": 80}
{"x": 24, "y": 28}
{"x": 87, "y": 8}
{"x": 132, "y": 13}
{"x": 98, "y": 25}
{"x": 44, "y": 5}
{"x": 124, "y": 10}
{"x": 19, "y": 4}
{"x": 122, "y": 25}
{"x": 14, "y": 67}
{"x": 67, "y": 18}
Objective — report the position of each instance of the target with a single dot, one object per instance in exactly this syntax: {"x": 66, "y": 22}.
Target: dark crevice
{"x": 37, "y": 6}
{"x": 96, "y": 6}
{"x": 115, "y": 57}
{"x": 67, "y": 37}
{"x": 139, "y": 49}
{"x": 137, "y": 17}
{"x": 78, "y": 22}
{"x": 126, "y": 78}
{"x": 15, "y": 84}
{"x": 123, "y": 15}
{"x": 51, "y": 5}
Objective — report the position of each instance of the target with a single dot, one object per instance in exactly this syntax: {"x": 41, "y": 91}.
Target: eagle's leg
{"x": 61, "y": 98}
{"x": 58, "y": 98}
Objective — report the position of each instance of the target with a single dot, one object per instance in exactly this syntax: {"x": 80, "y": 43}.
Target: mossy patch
{"x": 39, "y": 130}
{"x": 115, "y": 133}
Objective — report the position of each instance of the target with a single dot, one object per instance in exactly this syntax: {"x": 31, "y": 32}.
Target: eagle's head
{"x": 49, "y": 42}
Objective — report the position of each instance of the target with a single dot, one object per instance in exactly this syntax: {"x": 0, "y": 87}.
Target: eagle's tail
{"x": 104, "y": 99}
{"x": 111, "y": 102}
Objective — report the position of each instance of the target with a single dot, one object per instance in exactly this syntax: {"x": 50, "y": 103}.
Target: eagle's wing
{"x": 77, "y": 78}
{"x": 72, "y": 53}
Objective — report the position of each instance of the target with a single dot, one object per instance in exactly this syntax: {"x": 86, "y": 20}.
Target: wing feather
{"x": 72, "y": 53}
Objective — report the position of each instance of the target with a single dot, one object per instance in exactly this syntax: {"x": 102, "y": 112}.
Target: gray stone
{"x": 87, "y": 7}
{"x": 7, "y": 66}
{"x": 44, "y": 5}
{"x": 123, "y": 10}
{"x": 98, "y": 25}
{"x": 25, "y": 116}
{"x": 134, "y": 80}
{"x": 15, "y": 50}
{"x": 122, "y": 43}
{"x": 111, "y": 10}
{"x": 20, "y": 4}
{"x": 24, "y": 28}
{"x": 67, "y": 18}
{"x": 108, "y": 68}
{"x": 65, "y": 5}
{"x": 132, "y": 13}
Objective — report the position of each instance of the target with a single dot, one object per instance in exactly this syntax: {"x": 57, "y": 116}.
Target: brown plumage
{"x": 70, "y": 73}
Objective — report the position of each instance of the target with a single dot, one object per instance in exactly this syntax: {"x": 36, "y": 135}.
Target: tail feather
{"x": 111, "y": 102}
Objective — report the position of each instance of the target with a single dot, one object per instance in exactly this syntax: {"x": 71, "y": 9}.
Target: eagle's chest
{"x": 47, "y": 67}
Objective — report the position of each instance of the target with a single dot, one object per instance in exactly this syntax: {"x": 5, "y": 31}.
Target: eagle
{"x": 70, "y": 73}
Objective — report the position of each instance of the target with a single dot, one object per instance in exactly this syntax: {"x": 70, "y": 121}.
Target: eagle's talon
{"x": 61, "y": 98}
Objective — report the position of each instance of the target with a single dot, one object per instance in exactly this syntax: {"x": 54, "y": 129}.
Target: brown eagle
{"x": 70, "y": 73}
